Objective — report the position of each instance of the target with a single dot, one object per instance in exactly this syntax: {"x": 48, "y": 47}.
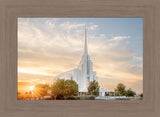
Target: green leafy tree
{"x": 64, "y": 88}
{"x": 71, "y": 88}
{"x": 93, "y": 88}
{"x": 120, "y": 90}
{"x": 130, "y": 93}
{"x": 41, "y": 90}
{"x": 58, "y": 88}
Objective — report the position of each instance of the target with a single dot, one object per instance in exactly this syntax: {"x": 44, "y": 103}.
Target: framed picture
{"x": 79, "y": 58}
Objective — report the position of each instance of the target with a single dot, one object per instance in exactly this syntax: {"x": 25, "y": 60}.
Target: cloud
{"x": 71, "y": 25}
{"x": 24, "y": 83}
{"x": 137, "y": 58}
{"x": 31, "y": 70}
{"x": 92, "y": 27}
{"x": 119, "y": 38}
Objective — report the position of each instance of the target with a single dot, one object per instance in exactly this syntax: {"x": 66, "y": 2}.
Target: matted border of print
{"x": 11, "y": 10}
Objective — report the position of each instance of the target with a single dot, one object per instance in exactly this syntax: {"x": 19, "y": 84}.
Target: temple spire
{"x": 85, "y": 46}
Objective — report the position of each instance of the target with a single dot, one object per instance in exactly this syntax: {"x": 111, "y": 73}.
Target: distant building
{"x": 83, "y": 74}
{"x": 102, "y": 92}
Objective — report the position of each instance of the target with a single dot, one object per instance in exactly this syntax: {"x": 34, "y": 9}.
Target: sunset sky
{"x": 50, "y": 46}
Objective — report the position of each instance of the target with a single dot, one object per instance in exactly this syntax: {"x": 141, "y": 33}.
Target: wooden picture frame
{"x": 11, "y": 10}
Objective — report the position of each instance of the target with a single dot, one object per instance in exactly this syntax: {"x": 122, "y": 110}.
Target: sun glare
{"x": 31, "y": 88}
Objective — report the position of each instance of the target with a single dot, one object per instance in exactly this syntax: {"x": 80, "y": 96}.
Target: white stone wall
{"x": 102, "y": 92}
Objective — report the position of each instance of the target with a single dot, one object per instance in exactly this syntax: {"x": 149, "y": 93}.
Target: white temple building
{"x": 83, "y": 74}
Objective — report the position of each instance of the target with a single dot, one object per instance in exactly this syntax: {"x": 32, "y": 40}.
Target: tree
{"x": 41, "y": 90}
{"x": 141, "y": 95}
{"x": 70, "y": 88}
{"x": 20, "y": 96}
{"x": 26, "y": 95}
{"x": 120, "y": 90}
{"x": 93, "y": 88}
{"x": 64, "y": 88}
{"x": 129, "y": 93}
{"x": 58, "y": 87}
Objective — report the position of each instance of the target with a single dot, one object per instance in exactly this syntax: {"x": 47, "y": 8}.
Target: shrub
{"x": 73, "y": 98}
{"x": 88, "y": 97}
{"x": 48, "y": 98}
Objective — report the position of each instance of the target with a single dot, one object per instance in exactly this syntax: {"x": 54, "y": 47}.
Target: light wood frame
{"x": 10, "y": 10}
